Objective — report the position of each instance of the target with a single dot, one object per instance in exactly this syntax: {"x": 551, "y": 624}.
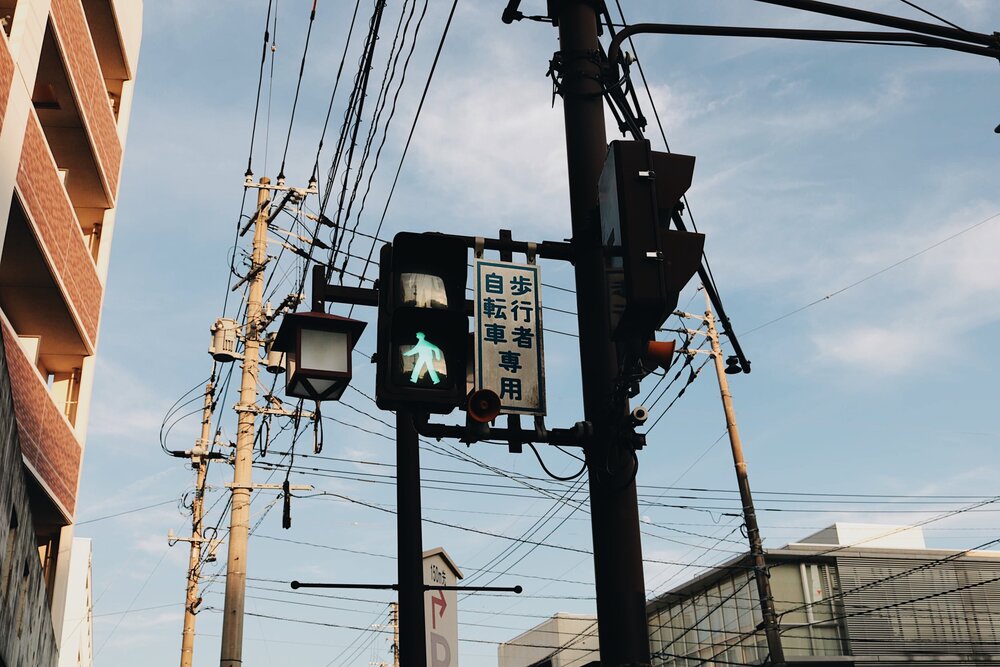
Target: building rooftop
{"x": 869, "y": 535}
{"x": 836, "y": 540}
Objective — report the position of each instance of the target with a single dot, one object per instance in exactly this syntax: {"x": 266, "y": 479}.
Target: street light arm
{"x": 960, "y": 40}
{"x": 888, "y": 21}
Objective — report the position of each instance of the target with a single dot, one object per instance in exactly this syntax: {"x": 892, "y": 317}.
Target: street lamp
{"x": 317, "y": 349}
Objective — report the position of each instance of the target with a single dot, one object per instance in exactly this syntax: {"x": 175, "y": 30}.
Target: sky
{"x": 848, "y": 194}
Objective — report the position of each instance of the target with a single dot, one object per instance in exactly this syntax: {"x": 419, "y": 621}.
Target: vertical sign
{"x": 440, "y": 609}
{"x": 508, "y": 342}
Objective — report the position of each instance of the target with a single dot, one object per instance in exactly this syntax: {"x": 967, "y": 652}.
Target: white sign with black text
{"x": 508, "y": 341}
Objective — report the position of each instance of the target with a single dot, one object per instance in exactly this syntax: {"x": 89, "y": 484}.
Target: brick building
{"x": 66, "y": 83}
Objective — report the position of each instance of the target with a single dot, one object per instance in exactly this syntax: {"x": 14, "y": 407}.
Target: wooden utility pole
{"x": 620, "y": 586}
{"x": 239, "y": 523}
{"x": 199, "y": 461}
{"x": 772, "y": 630}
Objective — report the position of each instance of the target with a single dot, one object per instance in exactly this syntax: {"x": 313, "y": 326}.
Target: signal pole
{"x": 239, "y": 523}
{"x": 772, "y": 630}
{"x": 200, "y": 462}
{"x": 412, "y": 642}
{"x": 620, "y": 585}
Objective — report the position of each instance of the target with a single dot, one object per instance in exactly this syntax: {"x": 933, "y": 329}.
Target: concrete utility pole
{"x": 200, "y": 462}
{"x": 395, "y": 633}
{"x": 621, "y": 590}
{"x": 394, "y": 620}
{"x": 771, "y": 628}
{"x": 239, "y": 524}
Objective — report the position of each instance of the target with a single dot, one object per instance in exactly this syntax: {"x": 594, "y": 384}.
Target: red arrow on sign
{"x": 438, "y": 602}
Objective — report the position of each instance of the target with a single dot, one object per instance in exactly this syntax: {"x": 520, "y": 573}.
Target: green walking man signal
{"x": 427, "y": 353}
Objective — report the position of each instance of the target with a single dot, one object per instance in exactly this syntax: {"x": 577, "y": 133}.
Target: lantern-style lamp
{"x": 317, "y": 349}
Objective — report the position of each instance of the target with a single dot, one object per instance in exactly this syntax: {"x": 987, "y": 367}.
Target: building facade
{"x": 849, "y": 595}
{"x": 66, "y": 83}
{"x": 76, "y": 645}
{"x": 565, "y": 640}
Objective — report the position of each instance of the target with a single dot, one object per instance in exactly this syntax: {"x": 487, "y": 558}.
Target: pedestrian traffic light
{"x": 647, "y": 264}
{"x": 423, "y": 327}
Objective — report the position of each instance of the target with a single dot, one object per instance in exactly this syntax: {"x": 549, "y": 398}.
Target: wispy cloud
{"x": 955, "y": 282}
{"x": 134, "y": 409}
{"x": 482, "y": 152}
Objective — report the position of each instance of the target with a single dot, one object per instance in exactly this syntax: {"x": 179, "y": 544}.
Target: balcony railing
{"x": 84, "y": 69}
{"x": 48, "y": 444}
{"x": 56, "y": 226}
{"x": 6, "y": 74}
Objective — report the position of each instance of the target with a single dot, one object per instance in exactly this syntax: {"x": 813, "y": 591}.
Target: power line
{"x": 413, "y": 127}
{"x": 893, "y": 605}
{"x": 340, "y": 225}
{"x": 372, "y": 554}
{"x": 479, "y": 531}
{"x": 123, "y": 513}
{"x": 681, "y": 492}
{"x": 392, "y": 113}
{"x": 898, "y": 575}
{"x": 691, "y": 378}
{"x": 260, "y": 81}
{"x": 875, "y": 274}
{"x": 931, "y": 14}
{"x": 336, "y": 85}
{"x": 355, "y": 111}
{"x": 298, "y": 88}
{"x": 128, "y": 609}
{"x": 531, "y": 532}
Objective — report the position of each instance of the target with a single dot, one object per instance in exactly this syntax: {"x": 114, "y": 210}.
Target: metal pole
{"x": 771, "y": 628}
{"x": 412, "y": 646}
{"x": 620, "y": 587}
{"x": 239, "y": 523}
{"x": 197, "y": 505}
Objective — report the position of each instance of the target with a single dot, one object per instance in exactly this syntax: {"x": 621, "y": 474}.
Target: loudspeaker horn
{"x": 483, "y": 406}
{"x": 660, "y": 353}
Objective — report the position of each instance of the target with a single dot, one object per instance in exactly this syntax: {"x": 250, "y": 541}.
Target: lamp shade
{"x": 317, "y": 349}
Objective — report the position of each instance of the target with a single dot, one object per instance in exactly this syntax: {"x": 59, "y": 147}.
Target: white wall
{"x": 76, "y": 643}
{"x": 569, "y": 639}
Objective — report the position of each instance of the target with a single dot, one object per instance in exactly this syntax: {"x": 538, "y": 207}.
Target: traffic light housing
{"x": 647, "y": 264}
{"x": 423, "y": 327}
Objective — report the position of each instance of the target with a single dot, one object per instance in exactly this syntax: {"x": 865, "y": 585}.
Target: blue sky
{"x": 817, "y": 166}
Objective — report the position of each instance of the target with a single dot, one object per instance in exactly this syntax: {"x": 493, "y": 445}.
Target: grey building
{"x": 849, "y": 595}
{"x": 565, "y": 640}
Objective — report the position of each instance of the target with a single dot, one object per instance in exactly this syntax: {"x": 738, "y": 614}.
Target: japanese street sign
{"x": 508, "y": 343}
{"x": 441, "y": 609}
